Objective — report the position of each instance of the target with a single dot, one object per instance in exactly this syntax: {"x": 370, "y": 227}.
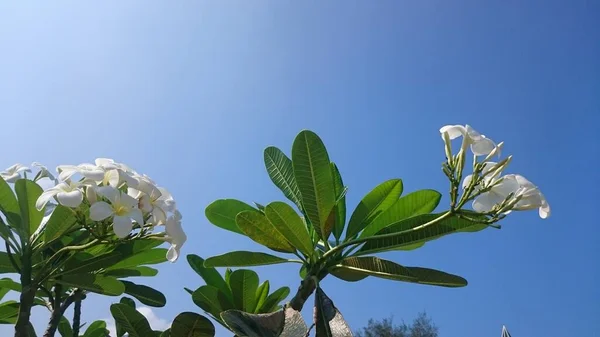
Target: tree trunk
{"x": 26, "y": 302}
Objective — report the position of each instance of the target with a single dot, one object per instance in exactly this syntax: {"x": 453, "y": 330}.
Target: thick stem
{"x": 307, "y": 287}
{"x": 59, "y": 311}
{"x": 77, "y": 315}
{"x": 27, "y": 295}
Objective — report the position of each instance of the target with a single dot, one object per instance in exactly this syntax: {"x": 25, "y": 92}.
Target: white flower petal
{"x": 467, "y": 181}
{"x": 90, "y": 193}
{"x": 23, "y": 169}
{"x": 544, "y": 211}
{"x": 173, "y": 253}
{"x": 159, "y": 216}
{"x": 122, "y": 226}
{"x": 127, "y": 200}
{"x": 45, "y": 197}
{"x": 109, "y": 192}
{"x": 136, "y": 215}
{"x": 11, "y": 178}
{"x": 92, "y": 172}
{"x": 482, "y": 146}
{"x": 106, "y": 163}
{"x": 473, "y": 135}
{"x": 70, "y": 199}
{"x": 485, "y": 202}
{"x": 100, "y": 211}
{"x": 454, "y": 131}
{"x": 506, "y": 186}
{"x": 66, "y": 171}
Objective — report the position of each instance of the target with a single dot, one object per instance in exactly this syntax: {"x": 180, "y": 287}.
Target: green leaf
{"x": 8, "y": 312}
{"x": 136, "y": 246}
{"x": 96, "y": 329}
{"x": 5, "y": 232}
{"x": 147, "y": 295}
{"x": 258, "y": 228}
{"x": 315, "y": 181}
{"x": 415, "y": 203}
{"x": 254, "y": 325}
{"x": 340, "y": 207}
{"x": 61, "y": 220}
{"x": 347, "y": 275}
{"x": 3, "y": 292}
{"x": 374, "y": 266}
{"x": 329, "y": 320}
{"x": 130, "y": 320}
{"x": 93, "y": 264}
{"x": 228, "y": 272}
{"x": 8, "y": 283}
{"x": 27, "y": 193}
{"x": 210, "y": 275}
{"x": 261, "y": 295}
{"x": 166, "y": 333}
{"x": 244, "y": 284}
{"x": 287, "y": 222}
{"x": 5, "y": 266}
{"x": 281, "y": 172}
{"x": 243, "y": 258}
{"x": 141, "y": 271}
{"x": 64, "y": 327}
{"x": 189, "y": 324}
{"x": 31, "y": 330}
{"x": 128, "y": 301}
{"x": 206, "y": 297}
{"x": 373, "y": 204}
{"x": 272, "y": 302}
{"x": 9, "y": 205}
{"x": 222, "y": 213}
{"x": 151, "y": 256}
{"x": 410, "y": 232}
{"x": 104, "y": 285}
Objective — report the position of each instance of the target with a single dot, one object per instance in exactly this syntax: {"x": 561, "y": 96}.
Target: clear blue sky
{"x": 191, "y": 93}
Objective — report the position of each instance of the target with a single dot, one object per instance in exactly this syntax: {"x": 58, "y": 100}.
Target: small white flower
{"x": 44, "y": 172}
{"x": 480, "y": 145}
{"x": 88, "y": 171}
{"x": 13, "y": 173}
{"x": 115, "y": 174}
{"x": 175, "y": 236}
{"x": 122, "y": 206}
{"x": 67, "y": 194}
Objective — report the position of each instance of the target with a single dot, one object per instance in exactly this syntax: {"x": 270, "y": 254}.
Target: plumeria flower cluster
{"x": 116, "y": 194}
{"x": 491, "y": 192}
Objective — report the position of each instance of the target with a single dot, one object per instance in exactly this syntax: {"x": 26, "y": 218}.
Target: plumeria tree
{"x": 100, "y": 223}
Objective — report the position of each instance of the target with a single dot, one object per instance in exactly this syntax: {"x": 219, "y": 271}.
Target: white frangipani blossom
{"x": 13, "y": 173}
{"x": 175, "y": 236}
{"x": 88, "y": 171}
{"x": 67, "y": 194}
{"x": 115, "y": 174}
{"x": 480, "y": 145}
{"x": 122, "y": 207}
{"x": 44, "y": 172}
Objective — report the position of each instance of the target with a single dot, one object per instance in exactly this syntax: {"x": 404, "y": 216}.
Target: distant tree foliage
{"x": 422, "y": 326}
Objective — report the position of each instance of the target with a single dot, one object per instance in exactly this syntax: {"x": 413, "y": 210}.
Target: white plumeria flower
{"x": 166, "y": 200}
{"x": 122, "y": 207}
{"x": 88, "y": 171}
{"x": 13, "y": 173}
{"x": 44, "y": 172}
{"x": 115, "y": 174}
{"x": 67, "y": 194}
{"x": 175, "y": 236}
{"x": 531, "y": 197}
{"x": 150, "y": 201}
{"x": 480, "y": 145}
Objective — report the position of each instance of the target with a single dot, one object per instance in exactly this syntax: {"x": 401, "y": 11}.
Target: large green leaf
{"x": 313, "y": 174}
{"x": 207, "y": 298}
{"x": 92, "y": 264}
{"x": 104, "y": 285}
{"x": 222, "y": 213}
{"x": 189, "y": 324}
{"x": 8, "y": 283}
{"x": 347, "y": 275}
{"x": 141, "y": 271}
{"x": 374, "y": 266}
{"x": 128, "y": 301}
{"x": 254, "y": 325}
{"x": 6, "y": 266}
{"x": 329, "y": 320}
{"x": 340, "y": 207}
{"x": 130, "y": 320}
{"x": 147, "y": 295}
{"x": 258, "y": 228}
{"x": 272, "y": 301}
{"x": 244, "y": 284}
{"x": 64, "y": 327}
{"x": 243, "y": 258}
{"x": 166, "y": 333}
{"x": 27, "y": 194}
{"x": 210, "y": 275}
{"x": 261, "y": 295}
{"x": 134, "y": 247}
{"x": 5, "y": 231}
{"x": 151, "y": 256}
{"x": 9, "y": 205}
{"x": 287, "y": 222}
{"x": 373, "y": 204}
{"x": 415, "y": 203}
{"x": 61, "y": 220}
{"x": 8, "y": 312}
{"x": 96, "y": 329}
{"x": 412, "y": 231}
{"x": 3, "y": 292}
{"x": 281, "y": 172}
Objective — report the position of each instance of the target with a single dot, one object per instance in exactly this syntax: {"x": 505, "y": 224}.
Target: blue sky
{"x": 191, "y": 92}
